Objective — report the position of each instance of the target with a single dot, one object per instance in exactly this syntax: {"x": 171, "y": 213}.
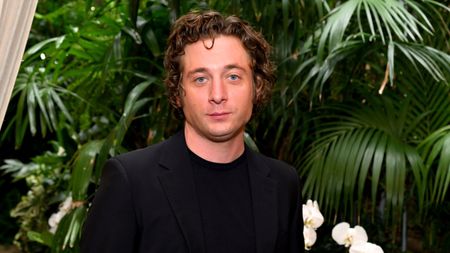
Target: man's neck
{"x": 218, "y": 152}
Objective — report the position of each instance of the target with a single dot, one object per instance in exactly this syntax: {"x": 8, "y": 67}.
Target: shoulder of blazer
{"x": 276, "y": 167}
{"x": 140, "y": 160}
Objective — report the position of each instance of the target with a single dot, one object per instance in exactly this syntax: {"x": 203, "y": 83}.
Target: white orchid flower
{"x": 344, "y": 235}
{"x": 312, "y": 217}
{"x": 66, "y": 205}
{"x": 310, "y": 237}
{"x": 365, "y": 247}
{"x": 55, "y": 218}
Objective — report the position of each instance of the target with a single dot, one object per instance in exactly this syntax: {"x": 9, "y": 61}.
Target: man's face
{"x": 218, "y": 88}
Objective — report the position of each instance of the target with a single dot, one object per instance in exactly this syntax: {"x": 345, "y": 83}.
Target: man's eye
{"x": 233, "y": 77}
{"x": 200, "y": 79}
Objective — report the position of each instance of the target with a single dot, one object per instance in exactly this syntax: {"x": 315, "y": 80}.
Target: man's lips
{"x": 218, "y": 115}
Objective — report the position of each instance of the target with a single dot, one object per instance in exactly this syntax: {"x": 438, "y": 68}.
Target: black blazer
{"x": 146, "y": 203}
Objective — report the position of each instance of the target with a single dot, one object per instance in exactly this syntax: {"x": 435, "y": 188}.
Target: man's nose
{"x": 218, "y": 91}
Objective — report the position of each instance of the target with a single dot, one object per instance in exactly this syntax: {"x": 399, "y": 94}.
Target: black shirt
{"x": 224, "y": 195}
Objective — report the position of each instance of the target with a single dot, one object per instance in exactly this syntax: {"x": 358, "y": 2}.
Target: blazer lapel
{"x": 264, "y": 197}
{"x": 178, "y": 184}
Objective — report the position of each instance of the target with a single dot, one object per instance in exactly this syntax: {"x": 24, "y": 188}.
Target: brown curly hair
{"x": 196, "y": 26}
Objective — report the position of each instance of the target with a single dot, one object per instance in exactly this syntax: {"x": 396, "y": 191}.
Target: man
{"x": 202, "y": 190}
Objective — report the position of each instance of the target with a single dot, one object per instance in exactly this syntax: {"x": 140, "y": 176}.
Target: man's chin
{"x": 223, "y": 136}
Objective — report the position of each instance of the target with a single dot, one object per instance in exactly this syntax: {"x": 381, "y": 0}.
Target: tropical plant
{"x": 45, "y": 176}
{"x": 366, "y": 131}
{"x": 377, "y": 132}
{"x": 104, "y": 52}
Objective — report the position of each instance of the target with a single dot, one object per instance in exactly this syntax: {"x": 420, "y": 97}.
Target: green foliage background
{"x": 361, "y": 107}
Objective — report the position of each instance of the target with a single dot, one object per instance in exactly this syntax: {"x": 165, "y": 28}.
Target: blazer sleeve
{"x": 111, "y": 226}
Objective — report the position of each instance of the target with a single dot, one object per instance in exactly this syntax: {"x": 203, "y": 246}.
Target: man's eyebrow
{"x": 197, "y": 70}
{"x": 234, "y": 66}
{"x": 205, "y": 70}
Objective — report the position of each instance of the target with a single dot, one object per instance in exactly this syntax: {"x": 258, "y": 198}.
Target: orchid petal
{"x": 365, "y": 247}
{"x": 339, "y": 232}
{"x": 359, "y": 235}
{"x": 312, "y": 217}
{"x": 310, "y": 237}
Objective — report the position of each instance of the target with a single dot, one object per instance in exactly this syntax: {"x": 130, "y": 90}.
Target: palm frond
{"x": 39, "y": 102}
{"x": 435, "y": 151}
{"x": 435, "y": 62}
{"x": 384, "y": 19}
{"x": 357, "y": 146}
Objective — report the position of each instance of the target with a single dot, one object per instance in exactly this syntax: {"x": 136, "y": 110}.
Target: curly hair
{"x": 196, "y": 26}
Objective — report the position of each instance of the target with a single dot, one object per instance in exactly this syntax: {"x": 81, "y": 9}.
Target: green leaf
{"x": 114, "y": 139}
{"x": 250, "y": 142}
{"x": 82, "y": 169}
{"x": 133, "y": 34}
{"x": 67, "y": 235}
{"x": 152, "y": 42}
{"x": 45, "y": 238}
{"x": 39, "y": 46}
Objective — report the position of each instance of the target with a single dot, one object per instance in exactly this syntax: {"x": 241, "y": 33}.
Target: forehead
{"x": 215, "y": 52}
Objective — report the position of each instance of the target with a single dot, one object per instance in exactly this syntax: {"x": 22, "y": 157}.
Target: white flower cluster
{"x": 355, "y": 238}
{"x": 312, "y": 219}
{"x": 55, "y": 218}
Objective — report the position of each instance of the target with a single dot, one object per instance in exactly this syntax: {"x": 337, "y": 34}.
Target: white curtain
{"x": 16, "y": 17}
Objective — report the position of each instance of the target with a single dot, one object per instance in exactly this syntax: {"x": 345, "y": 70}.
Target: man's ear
{"x": 256, "y": 90}
{"x": 178, "y": 103}
{"x": 178, "y": 100}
